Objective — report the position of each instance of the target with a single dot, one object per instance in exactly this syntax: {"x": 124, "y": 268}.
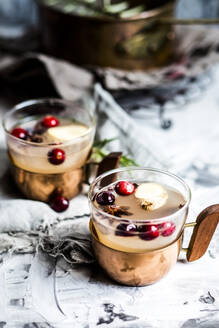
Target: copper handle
{"x": 94, "y": 169}
{"x": 195, "y": 21}
{"x": 110, "y": 162}
{"x": 204, "y": 229}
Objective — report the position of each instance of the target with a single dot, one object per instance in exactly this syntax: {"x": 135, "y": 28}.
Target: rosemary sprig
{"x": 103, "y": 143}
{"x": 126, "y": 161}
{"x": 98, "y": 153}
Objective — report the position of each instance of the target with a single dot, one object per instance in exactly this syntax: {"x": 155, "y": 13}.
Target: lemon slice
{"x": 67, "y": 132}
{"x": 151, "y": 195}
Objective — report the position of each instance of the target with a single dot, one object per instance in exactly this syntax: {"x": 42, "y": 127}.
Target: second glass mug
{"x": 135, "y": 262}
{"x": 34, "y": 175}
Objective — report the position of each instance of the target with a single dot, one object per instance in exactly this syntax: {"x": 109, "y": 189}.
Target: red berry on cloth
{"x": 59, "y": 203}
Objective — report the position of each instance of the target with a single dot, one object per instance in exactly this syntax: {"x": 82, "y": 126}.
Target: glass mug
{"x": 33, "y": 173}
{"x": 131, "y": 260}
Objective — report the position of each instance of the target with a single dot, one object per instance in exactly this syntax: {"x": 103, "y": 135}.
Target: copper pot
{"x": 135, "y": 43}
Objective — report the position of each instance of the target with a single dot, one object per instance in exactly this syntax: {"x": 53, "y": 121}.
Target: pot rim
{"x": 153, "y": 13}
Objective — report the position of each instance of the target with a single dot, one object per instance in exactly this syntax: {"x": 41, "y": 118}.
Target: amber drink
{"x": 137, "y": 219}
{"x": 49, "y": 142}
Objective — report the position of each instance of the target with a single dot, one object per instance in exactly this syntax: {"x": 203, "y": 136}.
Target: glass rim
{"x": 30, "y": 102}
{"x": 146, "y": 221}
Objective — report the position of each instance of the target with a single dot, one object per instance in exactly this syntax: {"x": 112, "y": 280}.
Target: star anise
{"x": 117, "y": 210}
{"x": 146, "y": 205}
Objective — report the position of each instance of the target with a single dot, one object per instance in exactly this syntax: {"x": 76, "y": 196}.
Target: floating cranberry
{"x": 59, "y": 203}
{"x": 124, "y": 188}
{"x": 20, "y": 133}
{"x": 148, "y": 232}
{"x": 105, "y": 198}
{"x": 126, "y": 230}
{"x": 56, "y": 156}
{"x": 50, "y": 121}
{"x": 167, "y": 228}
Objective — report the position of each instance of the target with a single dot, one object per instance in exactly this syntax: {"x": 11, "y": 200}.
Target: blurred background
{"x": 19, "y": 20}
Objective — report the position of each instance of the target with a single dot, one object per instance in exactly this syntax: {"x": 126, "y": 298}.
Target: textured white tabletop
{"x": 35, "y": 291}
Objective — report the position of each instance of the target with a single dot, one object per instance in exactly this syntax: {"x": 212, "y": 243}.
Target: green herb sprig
{"x": 98, "y": 153}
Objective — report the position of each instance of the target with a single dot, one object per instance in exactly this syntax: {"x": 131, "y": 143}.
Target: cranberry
{"x": 56, "y": 156}
{"x": 126, "y": 230}
{"x": 148, "y": 232}
{"x": 59, "y": 203}
{"x": 124, "y": 188}
{"x": 19, "y": 133}
{"x": 105, "y": 198}
{"x": 50, "y": 121}
{"x": 167, "y": 228}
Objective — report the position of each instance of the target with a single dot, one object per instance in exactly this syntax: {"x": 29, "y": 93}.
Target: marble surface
{"x": 37, "y": 291}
